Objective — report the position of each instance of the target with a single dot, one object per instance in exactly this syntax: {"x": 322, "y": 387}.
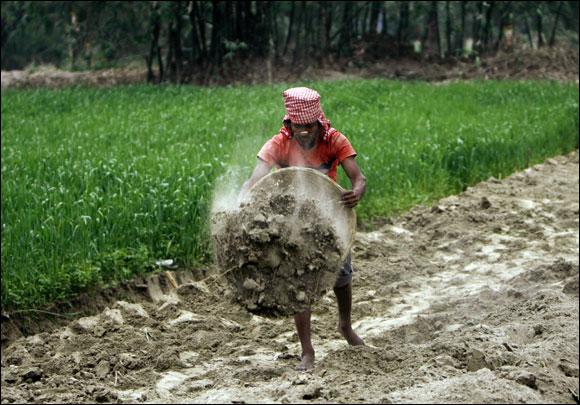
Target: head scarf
{"x": 303, "y": 107}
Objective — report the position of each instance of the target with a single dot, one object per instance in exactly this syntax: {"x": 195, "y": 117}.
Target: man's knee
{"x": 344, "y": 278}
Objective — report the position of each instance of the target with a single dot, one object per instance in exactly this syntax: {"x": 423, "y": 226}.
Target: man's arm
{"x": 350, "y": 198}
{"x": 262, "y": 168}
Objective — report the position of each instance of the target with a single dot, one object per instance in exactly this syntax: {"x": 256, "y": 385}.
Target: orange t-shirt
{"x": 282, "y": 151}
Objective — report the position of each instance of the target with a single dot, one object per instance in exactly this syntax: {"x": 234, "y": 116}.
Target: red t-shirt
{"x": 282, "y": 151}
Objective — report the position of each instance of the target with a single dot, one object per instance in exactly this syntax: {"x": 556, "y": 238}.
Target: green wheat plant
{"x": 98, "y": 184}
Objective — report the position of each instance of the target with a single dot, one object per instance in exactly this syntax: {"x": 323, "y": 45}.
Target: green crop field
{"x": 97, "y": 184}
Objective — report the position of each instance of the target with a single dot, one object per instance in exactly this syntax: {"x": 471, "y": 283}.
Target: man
{"x": 308, "y": 140}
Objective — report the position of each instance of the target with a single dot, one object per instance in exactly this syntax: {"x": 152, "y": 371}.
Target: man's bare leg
{"x": 302, "y": 321}
{"x": 344, "y": 301}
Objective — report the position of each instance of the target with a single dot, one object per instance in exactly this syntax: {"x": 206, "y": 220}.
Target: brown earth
{"x": 472, "y": 300}
{"x": 280, "y": 248}
{"x": 557, "y": 63}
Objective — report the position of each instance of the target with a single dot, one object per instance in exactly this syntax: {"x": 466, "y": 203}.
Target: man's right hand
{"x": 350, "y": 199}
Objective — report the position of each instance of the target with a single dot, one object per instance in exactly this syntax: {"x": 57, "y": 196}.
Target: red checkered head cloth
{"x": 303, "y": 107}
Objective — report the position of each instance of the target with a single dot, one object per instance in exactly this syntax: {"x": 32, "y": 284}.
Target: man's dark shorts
{"x": 345, "y": 275}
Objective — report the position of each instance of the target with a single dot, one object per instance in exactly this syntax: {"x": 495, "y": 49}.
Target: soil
{"x": 281, "y": 247}
{"x": 558, "y": 63}
{"x": 471, "y": 300}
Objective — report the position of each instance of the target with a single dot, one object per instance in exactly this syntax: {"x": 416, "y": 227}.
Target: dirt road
{"x": 473, "y": 300}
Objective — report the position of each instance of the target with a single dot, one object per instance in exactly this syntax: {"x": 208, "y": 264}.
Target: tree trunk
{"x": 344, "y": 48}
{"x": 74, "y": 39}
{"x": 274, "y": 30}
{"x": 155, "y": 49}
{"x": 487, "y": 27}
{"x": 300, "y": 35}
{"x": 309, "y": 30}
{"x": 348, "y": 21}
{"x": 328, "y": 27}
{"x": 433, "y": 39}
{"x": 320, "y": 38}
{"x": 170, "y": 57}
{"x": 201, "y": 27}
{"x": 506, "y": 33}
{"x": 259, "y": 39}
{"x": 154, "y": 45}
{"x": 553, "y": 35}
{"x": 174, "y": 58}
{"x": 448, "y": 29}
{"x": 403, "y": 28}
{"x": 364, "y": 23}
{"x": 477, "y": 17}
{"x": 177, "y": 49}
{"x": 540, "y": 26}
{"x": 290, "y": 25}
{"x": 461, "y": 36}
{"x": 238, "y": 21}
{"x": 528, "y": 31}
{"x": 150, "y": 74}
{"x": 229, "y": 31}
{"x": 375, "y": 10}
{"x": 9, "y": 26}
{"x": 216, "y": 34}
{"x": 325, "y": 22}
{"x": 195, "y": 40}
{"x": 269, "y": 26}
{"x": 384, "y": 28}
{"x": 250, "y": 26}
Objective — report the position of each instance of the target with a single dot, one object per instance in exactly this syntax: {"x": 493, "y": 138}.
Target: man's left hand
{"x": 350, "y": 199}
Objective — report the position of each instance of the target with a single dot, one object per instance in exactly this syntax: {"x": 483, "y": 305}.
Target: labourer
{"x": 306, "y": 139}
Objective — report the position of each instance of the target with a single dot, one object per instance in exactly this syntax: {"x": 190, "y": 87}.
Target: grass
{"x": 99, "y": 183}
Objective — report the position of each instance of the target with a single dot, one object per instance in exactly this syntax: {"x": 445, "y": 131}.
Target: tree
{"x": 553, "y": 36}
{"x": 403, "y": 27}
{"x": 460, "y": 38}
{"x": 374, "y": 17}
{"x": 506, "y": 27}
{"x": 487, "y": 30}
{"x": 154, "y": 49}
{"x": 476, "y": 26}
{"x": 216, "y": 51}
{"x": 188, "y": 37}
{"x": 448, "y": 28}
{"x": 540, "y": 25}
{"x": 345, "y": 48}
{"x": 432, "y": 38}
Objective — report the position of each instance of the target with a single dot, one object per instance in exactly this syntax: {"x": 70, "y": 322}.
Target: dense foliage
{"x": 178, "y": 39}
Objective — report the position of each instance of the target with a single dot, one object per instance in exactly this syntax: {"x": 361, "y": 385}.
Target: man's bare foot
{"x": 352, "y": 338}
{"x": 306, "y": 363}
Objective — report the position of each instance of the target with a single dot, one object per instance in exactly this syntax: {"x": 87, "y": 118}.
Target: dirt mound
{"x": 56, "y": 78}
{"x": 282, "y": 248}
{"x": 554, "y": 63}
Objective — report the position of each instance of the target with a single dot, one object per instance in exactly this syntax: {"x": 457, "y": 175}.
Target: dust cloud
{"x": 226, "y": 194}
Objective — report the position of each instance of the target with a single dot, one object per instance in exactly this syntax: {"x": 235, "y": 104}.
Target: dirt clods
{"x": 280, "y": 250}
{"x": 459, "y": 304}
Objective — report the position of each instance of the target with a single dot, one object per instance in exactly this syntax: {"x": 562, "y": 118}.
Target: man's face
{"x": 306, "y": 134}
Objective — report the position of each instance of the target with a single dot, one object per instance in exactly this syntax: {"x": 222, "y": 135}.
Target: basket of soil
{"x": 282, "y": 249}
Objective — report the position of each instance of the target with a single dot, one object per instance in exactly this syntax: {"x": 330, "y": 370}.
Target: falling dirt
{"x": 472, "y": 300}
{"x": 281, "y": 248}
